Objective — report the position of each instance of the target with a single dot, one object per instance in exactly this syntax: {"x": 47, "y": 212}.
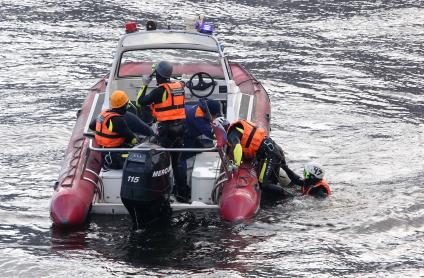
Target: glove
{"x": 134, "y": 141}
{"x": 146, "y": 80}
{"x": 221, "y": 121}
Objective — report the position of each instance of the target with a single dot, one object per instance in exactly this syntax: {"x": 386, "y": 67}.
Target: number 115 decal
{"x": 133, "y": 179}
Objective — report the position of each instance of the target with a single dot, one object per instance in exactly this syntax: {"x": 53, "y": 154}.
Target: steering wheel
{"x": 201, "y": 85}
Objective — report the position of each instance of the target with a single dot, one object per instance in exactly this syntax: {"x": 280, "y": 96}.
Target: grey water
{"x": 346, "y": 82}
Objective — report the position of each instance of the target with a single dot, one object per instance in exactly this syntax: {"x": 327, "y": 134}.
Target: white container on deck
{"x": 111, "y": 186}
{"x": 205, "y": 172}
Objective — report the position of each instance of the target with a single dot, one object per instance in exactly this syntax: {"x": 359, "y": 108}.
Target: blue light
{"x": 206, "y": 28}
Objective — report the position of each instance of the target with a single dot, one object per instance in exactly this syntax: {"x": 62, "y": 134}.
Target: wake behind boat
{"x": 84, "y": 186}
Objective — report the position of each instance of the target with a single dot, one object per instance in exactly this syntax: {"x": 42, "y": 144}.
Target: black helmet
{"x": 164, "y": 69}
{"x": 213, "y": 105}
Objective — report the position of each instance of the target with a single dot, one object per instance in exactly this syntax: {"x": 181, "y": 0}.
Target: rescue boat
{"x": 85, "y": 187}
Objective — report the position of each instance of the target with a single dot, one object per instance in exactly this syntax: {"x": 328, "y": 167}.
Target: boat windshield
{"x": 135, "y": 63}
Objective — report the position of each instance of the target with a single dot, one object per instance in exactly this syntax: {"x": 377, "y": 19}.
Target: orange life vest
{"x": 199, "y": 113}
{"x": 322, "y": 183}
{"x": 251, "y": 139}
{"x": 104, "y": 137}
{"x": 173, "y": 107}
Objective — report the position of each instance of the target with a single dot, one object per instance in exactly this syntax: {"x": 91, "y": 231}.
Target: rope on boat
{"x": 75, "y": 156}
{"x": 217, "y": 189}
{"x": 99, "y": 187}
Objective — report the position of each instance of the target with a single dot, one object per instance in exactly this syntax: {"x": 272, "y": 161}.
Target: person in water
{"x": 313, "y": 182}
{"x": 113, "y": 131}
{"x": 167, "y": 103}
{"x": 246, "y": 141}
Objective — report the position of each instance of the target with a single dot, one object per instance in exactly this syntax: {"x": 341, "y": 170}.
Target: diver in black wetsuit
{"x": 247, "y": 140}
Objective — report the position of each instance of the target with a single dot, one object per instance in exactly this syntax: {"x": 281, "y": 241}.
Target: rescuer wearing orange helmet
{"x": 112, "y": 131}
{"x": 247, "y": 141}
{"x": 167, "y": 103}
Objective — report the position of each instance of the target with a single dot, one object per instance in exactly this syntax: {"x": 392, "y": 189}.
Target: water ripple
{"x": 345, "y": 81}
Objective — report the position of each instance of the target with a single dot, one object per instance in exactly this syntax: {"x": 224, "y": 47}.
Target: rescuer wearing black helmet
{"x": 167, "y": 102}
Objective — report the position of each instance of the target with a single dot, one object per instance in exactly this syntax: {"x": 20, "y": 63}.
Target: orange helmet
{"x": 118, "y": 99}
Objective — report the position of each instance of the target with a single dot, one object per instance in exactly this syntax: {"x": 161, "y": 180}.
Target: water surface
{"x": 345, "y": 79}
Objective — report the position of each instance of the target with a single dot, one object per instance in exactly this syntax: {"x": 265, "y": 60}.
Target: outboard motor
{"x": 146, "y": 186}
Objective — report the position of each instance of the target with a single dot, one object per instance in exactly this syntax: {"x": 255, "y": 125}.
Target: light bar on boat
{"x": 206, "y": 28}
{"x": 131, "y": 27}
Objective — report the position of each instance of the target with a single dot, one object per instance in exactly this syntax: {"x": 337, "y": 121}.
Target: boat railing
{"x": 141, "y": 149}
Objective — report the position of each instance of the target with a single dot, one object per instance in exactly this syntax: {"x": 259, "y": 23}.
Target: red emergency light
{"x": 131, "y": 27}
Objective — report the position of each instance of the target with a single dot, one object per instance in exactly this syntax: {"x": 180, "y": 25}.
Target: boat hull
{"x": 76, "y": 187}
{"x": 241, "y": 195}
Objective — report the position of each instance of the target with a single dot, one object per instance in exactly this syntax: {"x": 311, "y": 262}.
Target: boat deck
{"x": 109, "y": 208}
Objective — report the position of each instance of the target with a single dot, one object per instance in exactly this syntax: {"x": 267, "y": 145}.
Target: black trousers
{"x": 171, "y": 135}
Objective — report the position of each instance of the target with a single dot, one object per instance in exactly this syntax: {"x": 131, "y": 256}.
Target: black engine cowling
{"x": 147, "y": 175}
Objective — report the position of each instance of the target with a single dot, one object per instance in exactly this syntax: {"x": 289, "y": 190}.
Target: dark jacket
{"x": 197, "y": 126}
{"x": 155, "y": 97}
